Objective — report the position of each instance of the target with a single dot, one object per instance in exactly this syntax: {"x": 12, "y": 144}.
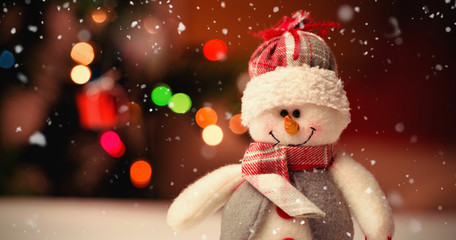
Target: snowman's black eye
{"x": 296, "y": 113}
{"x": 283, "y": 113}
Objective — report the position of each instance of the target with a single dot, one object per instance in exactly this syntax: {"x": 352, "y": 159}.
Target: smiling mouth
{"x": 294, "y": 145}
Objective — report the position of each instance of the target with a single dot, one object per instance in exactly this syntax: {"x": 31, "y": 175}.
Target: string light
{"x": 80, "y": 74}
{"x": 214, "y": 49}
{"x": 205, "y": 116}
{"x": 82, "y": 53}
{"x": 112, "y": 144}
{"x": 140, "y": 173}
{"x": 151, "y": 24}
{"x": 99, "y": 16}
{"x": 212, "y": 135}
{"x": 6, "y": 59}
{"x": 236, "y": 125}
{"x": 161, "y": 95}
{"x": 180, "y": 103}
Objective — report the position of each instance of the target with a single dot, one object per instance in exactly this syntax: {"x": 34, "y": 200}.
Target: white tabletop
{"x": 112, "y": 219}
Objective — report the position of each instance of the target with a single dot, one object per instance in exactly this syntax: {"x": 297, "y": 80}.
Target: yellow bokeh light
{"x": 99, "y": 16}
{"x": 212, "y": 135}
{"x": 82, "y": 53}
{"x": 80, "y": 74}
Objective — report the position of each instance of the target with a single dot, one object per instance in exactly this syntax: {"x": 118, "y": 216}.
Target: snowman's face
{"x": 304, "y": 125}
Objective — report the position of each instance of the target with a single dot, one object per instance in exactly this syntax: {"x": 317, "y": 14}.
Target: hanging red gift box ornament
{"x": 99, "y": 103}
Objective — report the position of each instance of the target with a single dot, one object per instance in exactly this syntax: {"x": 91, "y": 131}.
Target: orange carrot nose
{"x": 291, "y": 126}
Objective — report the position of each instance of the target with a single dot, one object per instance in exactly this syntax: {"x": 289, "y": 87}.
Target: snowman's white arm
{"x": 203, "y": 197}
{"x": 367, "y": 202}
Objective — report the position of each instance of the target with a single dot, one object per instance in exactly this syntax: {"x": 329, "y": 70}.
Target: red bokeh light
{"x": 112, "y": 144}
{"x": 214, "y": 49}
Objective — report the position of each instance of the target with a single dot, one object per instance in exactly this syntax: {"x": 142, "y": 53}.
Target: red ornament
{"x": 97, "y": 109}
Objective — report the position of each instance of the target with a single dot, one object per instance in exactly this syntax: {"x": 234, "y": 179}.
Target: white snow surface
{"x": 114, "y": 219}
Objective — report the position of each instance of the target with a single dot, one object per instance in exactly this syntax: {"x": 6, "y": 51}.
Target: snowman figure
{"x": 290, "y": 184}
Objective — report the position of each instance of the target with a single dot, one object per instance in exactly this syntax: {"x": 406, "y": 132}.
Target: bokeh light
{"x": 6, "y": 59}
{"x": 99, "y": 16}
{"x": 180, "y": 103}
{"x": 151, "y": 24}
{"x": 205, "y": 116}
{"x": 212, "y": 135}
{"x": 82, "y": 53}
{"x": 140, "y": 173}
{"x": 96, "y": 109}
{"x": 236, "y": 125}
{"x": 214, "y": 49}
{"x": 161, "y": 95}
{"x": 80, "y": 74}
{"x": 112, "y": 144}
{"x": 135, "y": 114}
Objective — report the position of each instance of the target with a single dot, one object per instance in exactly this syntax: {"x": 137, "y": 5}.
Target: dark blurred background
{"x": 396, "y": 58}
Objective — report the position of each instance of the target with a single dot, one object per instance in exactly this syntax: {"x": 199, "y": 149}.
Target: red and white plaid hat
{"x": 293, "y": 66}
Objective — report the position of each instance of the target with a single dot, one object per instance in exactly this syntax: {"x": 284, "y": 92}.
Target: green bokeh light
{"x": 161, "y": 95}
{"x": 180, "y": 103}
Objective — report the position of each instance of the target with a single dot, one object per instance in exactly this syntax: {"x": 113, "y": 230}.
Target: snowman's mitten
{"x": 367, "y": 202}
{"x": 204, "y": 197}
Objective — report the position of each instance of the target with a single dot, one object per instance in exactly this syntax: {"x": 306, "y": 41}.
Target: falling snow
{"x": 32, "y": 28}
{"x": 438, "y": 67}
{"x": 345, "y": 13}
{"x": 38, "y": 138}
{"x": 22, "y": 78}
{"x": 181, "y": 28}
{"x": 399, "y": 127}
{"x": 18, "y": 48}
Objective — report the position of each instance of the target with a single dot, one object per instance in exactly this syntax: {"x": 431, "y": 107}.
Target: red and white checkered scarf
{"x": 266, "y": 167}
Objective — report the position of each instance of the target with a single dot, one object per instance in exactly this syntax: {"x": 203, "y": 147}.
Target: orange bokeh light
{"x": 82, "y": 53}
{"x": 80, "y": 74}
{"x": 214, "y": 49}
{"x": 99, "y": 16}
{"x": 140, "y": 173}
{"x": 212, "y": 135}
{"x": 205, "y": 116}
{"x": 236, "y": 126}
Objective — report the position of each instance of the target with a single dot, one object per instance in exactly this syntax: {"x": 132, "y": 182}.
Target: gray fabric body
{"x": 243, "y": 213}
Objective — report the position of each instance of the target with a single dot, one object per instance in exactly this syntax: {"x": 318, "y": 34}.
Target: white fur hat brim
{"x": 287, "y": 86}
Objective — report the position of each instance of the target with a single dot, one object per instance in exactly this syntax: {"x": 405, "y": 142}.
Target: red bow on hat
{"x": 300, "y": 20}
